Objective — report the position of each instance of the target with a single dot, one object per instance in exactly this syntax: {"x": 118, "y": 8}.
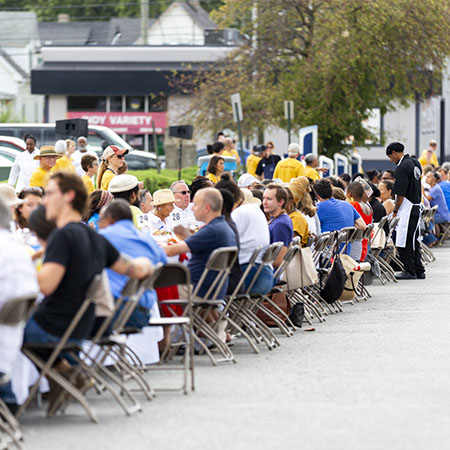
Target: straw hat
{"x": 8, "y": 195}
{"x": 162, "y": 197}
{"x": 47, "y": 150}
{"x": 248, "y": 197}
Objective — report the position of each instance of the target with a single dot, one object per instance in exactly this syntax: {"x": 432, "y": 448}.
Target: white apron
{"x": 404, "y": 214}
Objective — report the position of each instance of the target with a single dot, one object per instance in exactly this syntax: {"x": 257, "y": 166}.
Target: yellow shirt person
{"x": 88, "y": 184}
{"x": 47, "y": 159}
{"x": 429, "y": 157}
{"x": 252, "y": 164}
{"x": 64, "y": 164}
{"x": 312, "y": 173}
{"x": 289, "y": 168}
{"x": 300, "y": 226}
{"x": 39, "y": 177}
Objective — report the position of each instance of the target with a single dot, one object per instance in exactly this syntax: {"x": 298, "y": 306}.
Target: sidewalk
{"x": 373, "y": 377}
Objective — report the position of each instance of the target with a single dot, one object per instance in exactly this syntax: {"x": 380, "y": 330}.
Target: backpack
{"x": 334, "y": 284}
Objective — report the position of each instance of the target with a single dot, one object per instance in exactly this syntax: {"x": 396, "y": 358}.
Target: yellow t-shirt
{"x": 39, "y": 177}
{"x": 108, "y": 175}
{"x": 252, "y": 164}
{"x": 288, "y": 168}
{"x": 311, "y": 173}
{"x": 86, "y": 179}
{"x": 433, "y": 160}
{"x": 213, "y": 178}
{"x": 64, "y": 164}
{"x": 300, "y": 225}
{"x": 233, "y": 153}
{"x": 136, "y": 212}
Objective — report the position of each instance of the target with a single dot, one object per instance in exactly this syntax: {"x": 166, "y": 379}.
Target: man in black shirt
{"x": 266, "y": 166}
{"x": 408, "y": 192}
{"x": 74, "y": 255}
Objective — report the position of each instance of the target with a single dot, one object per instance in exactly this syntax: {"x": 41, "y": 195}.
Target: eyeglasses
{"x": 183, "y": 192}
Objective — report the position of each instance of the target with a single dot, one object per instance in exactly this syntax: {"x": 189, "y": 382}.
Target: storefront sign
{"x": 125, "y": 123}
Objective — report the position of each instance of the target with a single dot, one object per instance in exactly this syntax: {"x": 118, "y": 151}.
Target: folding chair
{"x": 165, "y": 276}
{"x": 220, "y": 261}
{"x": 31, "y": 350}
{"x": 14, "y": 312}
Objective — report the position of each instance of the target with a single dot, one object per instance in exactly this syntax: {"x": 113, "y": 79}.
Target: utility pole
{"x": 144, "y": 21}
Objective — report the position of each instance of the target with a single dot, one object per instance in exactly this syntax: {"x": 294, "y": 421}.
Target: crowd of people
{"x": 65, "y": 216}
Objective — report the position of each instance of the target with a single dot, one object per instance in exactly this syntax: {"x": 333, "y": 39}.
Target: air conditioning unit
{"x": 226, "y": 37}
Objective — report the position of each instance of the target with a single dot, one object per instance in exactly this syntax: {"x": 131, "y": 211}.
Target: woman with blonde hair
{"x": 301, "y": 190}
{"x": 112, "y": 161}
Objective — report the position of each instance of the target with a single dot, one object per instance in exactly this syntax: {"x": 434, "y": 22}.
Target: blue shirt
{"x": 281, "y": 230}
{"x": 129, "y": 240}
{"x": 336, "y": 214}
{"x": 442, "y": 213}
{"x": 445, "y": 186}
{"x": 215, "y": 234}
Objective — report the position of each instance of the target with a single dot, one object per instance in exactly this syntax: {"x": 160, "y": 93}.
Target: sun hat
{"x": 47, "y": 150}
{"x": 248, "y": 197}
{"x": 113, "y": 150}
{"x": 162, "y": 197}
{"x": 8, "y": 195}
{"x": 246, "y": 180}
{"x": 122, "y": 183}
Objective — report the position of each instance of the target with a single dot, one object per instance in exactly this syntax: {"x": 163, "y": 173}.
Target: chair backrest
{"x": 165, "y": 275}
{"x": 220, "y": 261}
{"x": 17, "y": 310}
{"x": 251, "y": 263}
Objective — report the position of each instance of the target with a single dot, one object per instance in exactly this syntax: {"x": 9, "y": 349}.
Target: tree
{"x": 336, "y": 59}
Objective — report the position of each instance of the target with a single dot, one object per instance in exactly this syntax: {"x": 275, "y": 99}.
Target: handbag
{"x": 279, "y": 298}
{"x": 353, "y": 276}
{"x": 301, "y": 271}
{"x": 104, "y": 302}
{"x": 309, "y": 272}
{"x": 297, "y": 314}
{"x": 335, "y": 281}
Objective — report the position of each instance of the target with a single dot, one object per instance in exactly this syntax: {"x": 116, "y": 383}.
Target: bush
{"x": 154, "y": 180}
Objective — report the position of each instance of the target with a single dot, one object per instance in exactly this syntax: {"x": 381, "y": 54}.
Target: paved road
{"x": 373, "y": 377}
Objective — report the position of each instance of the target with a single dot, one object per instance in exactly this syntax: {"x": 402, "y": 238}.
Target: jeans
{"x": 265, "y": 280}
{"x": 6, "y": 393}
{"x": 138, "y": 319}
{"x": 36, "y": 334}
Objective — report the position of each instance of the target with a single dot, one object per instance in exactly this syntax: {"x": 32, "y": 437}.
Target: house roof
{"x": 12, "y": 63}
{"x": 17, "y": 28}
{"x": 90, "y": 32}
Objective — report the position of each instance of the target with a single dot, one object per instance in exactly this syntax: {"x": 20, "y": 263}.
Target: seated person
{"x": 17, "y": 278}
{"x": 216, "y": 233}
{"x": 299, "y": 223}
{"x": 280, "y": 224}
{"x": 436, "y": 198}
{"x": 74, "y": 255}
{"x": 116, "y": 225}
{"x": 89, "y": 164}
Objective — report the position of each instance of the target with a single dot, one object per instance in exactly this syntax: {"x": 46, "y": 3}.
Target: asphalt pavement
{"x": 373, "y": 377}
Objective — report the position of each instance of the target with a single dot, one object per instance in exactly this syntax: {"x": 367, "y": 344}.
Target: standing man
{"x": 280, "y": 224}
{"x": 408, "y": 192}
{"x": 229, "y": 150}
{"x": 312, "y": 168}
{"x": 182, "y": 213}
{"x": 290, "y": 167}
{"x": 429, "y": 155}
{"x": 24, "y": 165}
{"x": 47, "y": 159}
{"x": 266, "y": 166}
{"x": 79, "y": 153}
{"x": 254, "y": 159}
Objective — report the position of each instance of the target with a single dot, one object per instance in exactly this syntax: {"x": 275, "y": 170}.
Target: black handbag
{"x": 297, "y": 314}
{"x": 335, "y": 282}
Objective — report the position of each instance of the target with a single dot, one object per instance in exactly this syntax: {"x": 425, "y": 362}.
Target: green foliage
{"x": 336, "y": 59}
{"x": 154, "y": 181}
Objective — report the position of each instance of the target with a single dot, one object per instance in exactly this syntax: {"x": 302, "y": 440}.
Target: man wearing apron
{"x": 408, "y": 192}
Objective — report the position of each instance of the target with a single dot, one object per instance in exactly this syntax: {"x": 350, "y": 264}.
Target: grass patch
{"x": 154, "y": 180}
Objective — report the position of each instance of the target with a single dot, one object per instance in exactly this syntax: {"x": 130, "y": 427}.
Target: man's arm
{"x": 138, "y": 268}
{"x": 398, "y": 203}
{"x": 50, "y": 276}
{"x": 14, "y": 174}
{"x": 176, "y": 249}
{"x": 360, "y": 224}
{"x": 280, "y": 257}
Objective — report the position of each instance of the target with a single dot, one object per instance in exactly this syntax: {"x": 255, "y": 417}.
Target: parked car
{"x": 13, "y": 142}
{"x": 140, "y": 160}
{"x": 5, "y": 168}
{"x": 45, "y": 135}
{"x": 9, "y": 153}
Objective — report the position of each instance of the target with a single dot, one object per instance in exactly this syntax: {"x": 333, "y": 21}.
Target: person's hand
{"x": 182, "y": 231}
{"x": 141, "y": 185}
{"x": 322, "y": 169}
{"x": 37, "y": 254}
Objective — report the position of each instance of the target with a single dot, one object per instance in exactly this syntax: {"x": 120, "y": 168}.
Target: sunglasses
{"x": 183, "y": 192}
{"x": 120, "y": 156}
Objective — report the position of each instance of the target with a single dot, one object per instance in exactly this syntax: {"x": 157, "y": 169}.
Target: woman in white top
{"x": 163, "y": 204}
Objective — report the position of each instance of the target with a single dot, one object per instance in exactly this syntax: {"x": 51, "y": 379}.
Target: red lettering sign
{"x": 126, "y": 122}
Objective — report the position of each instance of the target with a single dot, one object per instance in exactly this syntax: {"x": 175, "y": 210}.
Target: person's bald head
{"x": 207, "y": 204}
{"x": 228, "y": 142}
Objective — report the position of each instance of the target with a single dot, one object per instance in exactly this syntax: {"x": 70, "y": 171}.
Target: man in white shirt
{"x": 17, "y": 278}
{"x": 24, "y": 165}
{"x": 79, "y": 153}
{"x": 182, "y": 213}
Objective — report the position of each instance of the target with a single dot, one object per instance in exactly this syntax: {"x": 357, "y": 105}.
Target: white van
{"x": 45, "y": 134}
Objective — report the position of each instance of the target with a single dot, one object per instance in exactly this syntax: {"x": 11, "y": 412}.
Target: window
{"x": 135, "y": 104}
{"x": 88, "y": 103}
{"x": 115, "y": 104}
